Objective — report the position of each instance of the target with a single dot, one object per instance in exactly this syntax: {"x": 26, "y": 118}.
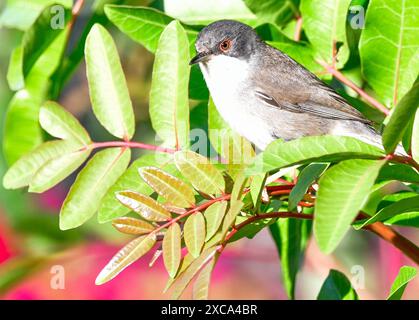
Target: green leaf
{"x": 324, "y": 25}
{"x": 214, "y": 215}
{"x": 256, "y": 189}
{"x": 142, "y": 24}
{"x": 110, "y": 206}
{"x": 399, "y": 120}
{"x": 194, "y": 233}
{"x": 132, "y": 226}
{"x": 337, "y": 287}
{"x": 22, "y": 124}
{"x": 171, "y": 249}
{"x": 57, "y": 169}
{"x": 305, "y": 179}
{"x": 290, "y": 240}
{"x": 126, "y": 256}
{"x": 169, "y": 105}
{"x": 144, "y": 205}
{"x": 230, "y": 216}
{"x": 278, "y": 12}
{"x": 107, "y": 85}
{"x": 343, "y": 190}
{"x": 22, "y": 118}
{"x": 400, "y": 172}
{"x": 15, "y": 77}
{"x": 186, "y": 277}
{"x": 406, "y": 219}
{"x": 200, "y": 172}
{"x": 406, "y": 274}
{"x": 250, "y": 230}
{"x": 92, "y": 183}
{"x": 280, "y": 154}
{"x": 21, "y": 14}
{"x": 202, "y": 12}
{"x": 39, "y": 37}
{"x": 415, "y": 137}
{"x": 23, "y": 171}
{"x": 402, "y": 206}
{"x": 60, "y": 123}
{"x": 389, "y": 54}
{"x": 174, "y": 190}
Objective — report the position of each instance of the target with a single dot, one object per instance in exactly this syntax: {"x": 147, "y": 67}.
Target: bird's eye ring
{"x": 225, "y": 45}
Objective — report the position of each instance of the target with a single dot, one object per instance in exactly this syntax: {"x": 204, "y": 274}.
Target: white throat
{"x": 226, "y": 77}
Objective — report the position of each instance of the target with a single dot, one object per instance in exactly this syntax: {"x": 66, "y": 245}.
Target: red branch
{"x": 298, "y": 28}
{"x": 383, "y": 231}
{"x": 128, "y": 144}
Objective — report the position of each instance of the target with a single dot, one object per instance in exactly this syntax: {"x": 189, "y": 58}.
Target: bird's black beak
{"x": 200, "y": 57}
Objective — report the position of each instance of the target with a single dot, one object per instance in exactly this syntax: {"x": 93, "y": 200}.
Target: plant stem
{"x": 129, "y": 144}
{"x": 338, "y": 75}
{"x": 298, "y": 28}
{"x": 75, "y": 11}
{"x": 396, "y": 239}
{"x": 402, "y": 159}
{"x": 193, "y": 210}
{"x": 383, "y": 231}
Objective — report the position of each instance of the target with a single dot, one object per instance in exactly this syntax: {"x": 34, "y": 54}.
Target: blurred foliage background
{"x": 31, "y": 242}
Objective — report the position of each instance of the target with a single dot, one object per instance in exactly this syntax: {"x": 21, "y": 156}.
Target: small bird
{"x": 263, "y": 94}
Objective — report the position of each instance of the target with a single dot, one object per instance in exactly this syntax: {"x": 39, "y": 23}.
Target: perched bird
{"x": 263, "y": 94}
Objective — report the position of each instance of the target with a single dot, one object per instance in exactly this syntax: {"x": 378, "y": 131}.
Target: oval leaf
{"x": 214, "y": 215}
{"x": 21, "y": 173}
{"x": 389, "y": 53}
{"x": 107, "y": 85}
{"x": 194, "y": 233}
{"x": 324, "y": 25}
{"x": 337, "y": 287}
{"x": 200, "y": 172}
{"x": 126, "y": 256}
{"x": 91, "y": 184}
{"x": 169, "y": 105}
{"x": 343, "y": 190}
{"x": 174, "y": 190}
{"x": 132, "y": 225}
{"x": 60, "y": 123}
{"x": 56, "y": 170}
{"x": 186, "y": 277}
{"x": 171, "y": 249}
{"x": 396, "y": 208}
{"x": 111, "y": 208}
{"x": 144, "y": 25}
{"x": 280, "y": 154}
{"x": 147, "y": 207}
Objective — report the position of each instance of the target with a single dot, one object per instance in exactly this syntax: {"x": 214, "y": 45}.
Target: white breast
{"x": 225, "y": 77}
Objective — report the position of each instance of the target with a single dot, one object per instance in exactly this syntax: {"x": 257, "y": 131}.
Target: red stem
{"x": 129, "y": 144}
{"x": 298, "y": 27}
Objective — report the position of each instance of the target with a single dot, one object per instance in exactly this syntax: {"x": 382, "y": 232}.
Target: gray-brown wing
{"x": 310, "y": 107}
{"x": 290, "y": 86}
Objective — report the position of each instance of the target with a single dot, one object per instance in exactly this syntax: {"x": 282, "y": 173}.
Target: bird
{"x": 265, "y": 95}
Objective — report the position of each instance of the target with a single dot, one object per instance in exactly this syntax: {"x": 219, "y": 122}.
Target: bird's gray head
{"x": 225, "y": 37}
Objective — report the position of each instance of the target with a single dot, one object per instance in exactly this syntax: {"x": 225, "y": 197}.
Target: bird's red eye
{"x": 225, "y": 45}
